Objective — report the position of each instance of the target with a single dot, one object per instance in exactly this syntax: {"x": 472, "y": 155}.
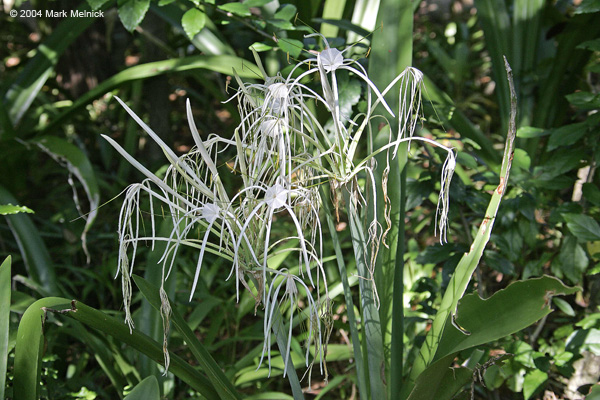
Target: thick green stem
{"x": 372, "y": 332}
{"x": 358, "y": 358}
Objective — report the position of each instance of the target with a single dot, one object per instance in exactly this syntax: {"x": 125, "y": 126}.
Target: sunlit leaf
{"x": 8, "y": 209}
{"x": 585, "y": 228}
{"x": 193, "y": 21}
{"x": 132, "y": 13}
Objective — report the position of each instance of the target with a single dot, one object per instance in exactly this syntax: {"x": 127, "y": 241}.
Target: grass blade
{"x": 224, "y": 387}
{"x": 4, "y": 320}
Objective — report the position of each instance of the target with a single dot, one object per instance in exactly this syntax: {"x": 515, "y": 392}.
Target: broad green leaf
{"x": 591, "y": 193}
{"x": 9, "y": 209}
{"x": 193, "y": 21}
{"x": 287, "y": 12}
{"x": 440, "y": 381}
{"x": 584, "y": 340}
{"x": 585, "y": 228}
{"x": 594, "y": 393}
{"x": 566, "y": 135}
{"x": 572, "y": 260}
{"x": 33, "y": 250}
{"x": 29, "y": 348}
{"x": 533, "y": 384}
{"x": 132, "y": 13}
{"x": 4, "y": 320}
{"x": 292, "y": 47}
{"x": 507, "y": 311}
{"x": 224, "y": 387}
{"x": 96, "y": 4}
{"x": 79, "y": 165}
{"x": 145, "y": 390}
{"x": 236, "y": 8}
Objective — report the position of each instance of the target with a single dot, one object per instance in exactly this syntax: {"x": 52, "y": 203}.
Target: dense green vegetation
{"x": 320, "y": 230}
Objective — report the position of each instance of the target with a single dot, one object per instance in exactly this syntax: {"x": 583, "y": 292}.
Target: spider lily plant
{"x": 283, "y": 154}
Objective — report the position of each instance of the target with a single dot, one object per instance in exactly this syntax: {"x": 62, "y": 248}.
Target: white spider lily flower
{"x": 443, "y": 205}
{"x": 273, "y": 317}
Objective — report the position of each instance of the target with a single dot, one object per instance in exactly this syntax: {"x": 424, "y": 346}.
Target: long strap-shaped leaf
{"x": 4, "y": 320}
{"x": 469, "y": 261}
{"x": 224, "y": 387}
{"x": 223, "y": 64}
{"x": 29, "y": 345}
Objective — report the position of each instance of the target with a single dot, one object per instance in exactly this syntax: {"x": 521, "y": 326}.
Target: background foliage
{"x": 59, "y": 77}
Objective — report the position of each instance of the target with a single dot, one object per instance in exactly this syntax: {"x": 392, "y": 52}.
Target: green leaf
{"x": 208, "y": 364}
{"x": 564, "y": 306}
{"x": 585, "y": 228}
{"x": 533, "y": 384}
{"x": 222, "y": 63}
{"x": 593, "y": 45}
{"x": 594, "y": 393}
{"x": 508, "y": 311}
{"x": 29, "y": 349}
{"x": 343, "y": 24}
{"x": 440, "y": 381}
{"x": 286, "y": 13}
{"x": 132, "y": 13}
{"x": 145, "y": 390}
{"x": 4, "y": 320}
{"x": 591, "y": 193}
{"x": 291, "y": 46}
{"x": 588, "y": 6}
{"x": 96, "y": 4}
{"x": 9, "y": 209}
{"x": 566, "y": 135}
{"x": 257, "y": 3}
{"x": 33, "y": 250}
{"x": 241, "y": 9}
{"x": 79, "y": 165}
{"x": 193, "y": 21}
{"x": 584, "y": 100}
{"x": 260, "y": 47}
{"x": 528, "y": 132}
{"x": 572, "y": 260}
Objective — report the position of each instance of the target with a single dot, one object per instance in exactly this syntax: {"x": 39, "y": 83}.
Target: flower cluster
{"x": 284, "y": 153}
